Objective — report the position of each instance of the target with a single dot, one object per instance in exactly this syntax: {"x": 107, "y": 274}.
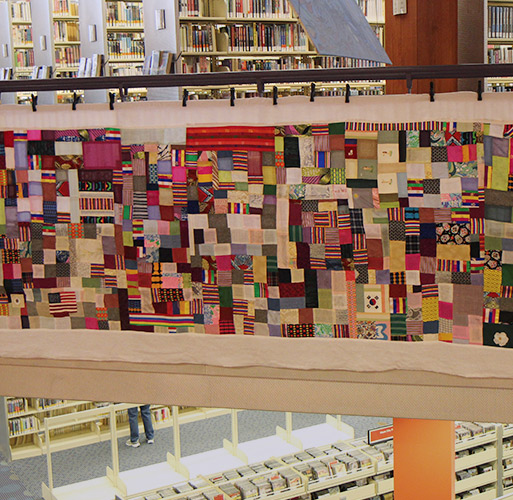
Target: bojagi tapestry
{"x": 344, "y": 230}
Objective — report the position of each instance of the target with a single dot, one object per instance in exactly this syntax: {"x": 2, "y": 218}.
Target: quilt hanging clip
{"x": 479, "y": 90}
{"x": 112, "y": 100}
{"x": 275, "y": 96}
{"x": 76, "y": 100}
{"x": 123, "y": 94}
{"x": 232, "y": 96}
{"x": 312, "y": 92}
{"x": 185, "y": 97}
{"x": 348, "y": 92}
{"x": 260, "y": 88}
{"x": 432, "y": 91}
{"x": 33, "y": 101}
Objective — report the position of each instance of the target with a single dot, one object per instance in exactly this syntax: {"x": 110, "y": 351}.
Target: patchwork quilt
{"x": 356, "y": 230}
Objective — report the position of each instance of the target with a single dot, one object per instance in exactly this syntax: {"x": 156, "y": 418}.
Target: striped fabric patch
{"x": 231, "y": 138}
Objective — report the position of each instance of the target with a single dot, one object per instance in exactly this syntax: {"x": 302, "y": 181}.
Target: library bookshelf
{"x": 353, "y": 470}
{"x": 21, "y": 42}
{"x": 250, "y": 35}
{"x": 124, "y": 27}
{"x": 499, "y": 36}
{"x": 22, "y": 424}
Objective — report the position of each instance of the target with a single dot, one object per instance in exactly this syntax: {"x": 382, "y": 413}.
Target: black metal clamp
{"x": 232, "y": 96}
{"x": 76, "y": 100}
{"x": 185, "y": 97}
{"x": 479, "y": 90}
{"x": 33, "y": 101}
{"x": 123, "y": 93}
{"x": 348, "y": 92}
{"x": 275, "y": 96}
{"x": 260, "y": 88}
{"x": 312, "y": 92}
{"x": 409, "y": 83}
{"x": 112, "y": 100}
{"x": 432, "y": 91}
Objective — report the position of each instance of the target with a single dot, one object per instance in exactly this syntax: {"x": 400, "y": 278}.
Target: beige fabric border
{"x": 360, "y": 377}
{"x": 235, "y": 351}
{"x": 462, "y": 106}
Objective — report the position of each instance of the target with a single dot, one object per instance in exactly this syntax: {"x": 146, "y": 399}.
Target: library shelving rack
{"x": 125, "y": 37}
{"x": 240, "y": 35}
{"x": 21, "y": 40}
{"x": 22, "y": 419}
{"x": 499, "y": 35}
{"x": 66, "y": 37}
{"x": 353, "y": 470}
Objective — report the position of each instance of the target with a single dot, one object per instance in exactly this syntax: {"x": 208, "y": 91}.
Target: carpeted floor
{"x": 11, "y": 488}
{"x": 20, "y": 477}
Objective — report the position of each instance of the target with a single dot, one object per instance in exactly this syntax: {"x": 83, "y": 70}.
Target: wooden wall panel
{"x": 426, "y": 35}
{"x": 471, "y": 39}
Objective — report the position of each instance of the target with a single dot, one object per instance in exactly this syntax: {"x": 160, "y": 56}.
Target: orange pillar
{"x": 423, "y": 459}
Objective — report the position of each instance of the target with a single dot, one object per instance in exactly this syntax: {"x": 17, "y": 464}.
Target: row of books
{"x": 473, "y": 451}
{"x": 196, "y": 38}
{"x": 22, "y": 35}
{"x": 202, "y": 8}
{"x": 132, "y": 69}
{"x": 41, "y": 72}
{"x": 66, "y": 31}
{"x": 90, "y": 66}
{"x": 124, "y": 14}
{"x": 44, "y": 404}
{"x": 466, "y": 430}
{"x": 208, "y": 494}
{"x": 161, "y": 414}
{"x": 259, "y": 8}
{"x": 65, "y": 7}
{"x": 159, "y": 62}
{"x": 267, "y": 38}
{"x": 374, "y": 10}
{"x": 20, "y": 11}
{"x": 21, "y": 425}
{"x": 15, "y": 405}
{"x": 482, "y": 490}
{"x": 499, "y": 54}
{"x": 200, "y": 64}
{"x": 282, "y": 63}
{"x": 500, "y": 22}
{"x": 501, "y": 87}
{"x": 344, "y": 62}
{"x": 67, "y": 56}
{"x": 23, "y": 58}
{"x": 125, "y": 45}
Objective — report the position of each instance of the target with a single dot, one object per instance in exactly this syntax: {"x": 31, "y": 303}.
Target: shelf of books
{"x": 476, "y": 463}
{"x": 24, "y": 425}
{"x": 499, "y": 32}
{"x": 252, "y": 35}
{"x": 21, "y": 38}
{"x": 66, "y": 39}
{"x": 125, "y": 37}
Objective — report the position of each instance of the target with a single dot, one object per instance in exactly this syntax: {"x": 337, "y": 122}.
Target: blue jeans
{"x": 134, "y": 424}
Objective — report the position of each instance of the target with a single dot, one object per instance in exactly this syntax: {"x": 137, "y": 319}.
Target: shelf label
{"x": 381, "y": 434}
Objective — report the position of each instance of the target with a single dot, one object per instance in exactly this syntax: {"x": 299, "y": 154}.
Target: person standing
{"x": 134, "y": 426}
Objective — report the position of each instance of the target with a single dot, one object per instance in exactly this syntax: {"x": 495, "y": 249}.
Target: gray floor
{"x": 88, "y": 462}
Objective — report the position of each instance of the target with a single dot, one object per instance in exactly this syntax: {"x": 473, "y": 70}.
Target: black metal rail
{"x": 262, "y": 78}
